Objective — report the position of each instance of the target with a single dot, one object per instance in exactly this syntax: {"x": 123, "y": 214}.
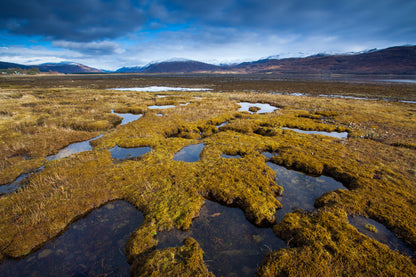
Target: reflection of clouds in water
{"x": 264, "y": 108}
{"x": 160, "y": 88}
{"x": 190, "y": 153}
{"x": 340, "y": 135}
{"x": 300, "y": 190}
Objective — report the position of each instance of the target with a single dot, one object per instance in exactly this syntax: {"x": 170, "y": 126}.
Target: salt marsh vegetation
{"x": 375, "y": 165}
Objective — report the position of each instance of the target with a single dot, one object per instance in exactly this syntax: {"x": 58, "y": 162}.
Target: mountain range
{"x": 393, "y": 60}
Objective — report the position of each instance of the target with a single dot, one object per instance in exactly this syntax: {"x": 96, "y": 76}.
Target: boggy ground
{"x": 376, "y": 163}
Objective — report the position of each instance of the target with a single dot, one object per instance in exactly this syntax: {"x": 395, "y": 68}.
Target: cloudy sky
{"x": 109, "y": 34}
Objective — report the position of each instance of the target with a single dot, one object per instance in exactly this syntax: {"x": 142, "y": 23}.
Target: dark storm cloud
{"x": 77, "y": 20}
{"x": 352, "y": 18}
{"x": 101, "y": 20}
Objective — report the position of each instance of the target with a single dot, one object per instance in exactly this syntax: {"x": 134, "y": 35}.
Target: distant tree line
{"x": 20, "y": 71}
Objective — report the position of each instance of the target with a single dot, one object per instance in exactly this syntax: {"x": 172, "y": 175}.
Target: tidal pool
{"x": 160, "y": 88}
{"x": 230, "y": 156}
{"x": 340, "y": 135}
{"x": 232, "y": 245}
{"x": 264, "y": 108}
{"x": 190, "y": 153}
{"x": 382, "y": 234}
{"x": 73, "y": 148}
{"x": 300, "y": 190}
{"x": 92, "y": 246}
{"x": 127, "y": 117}
{"x": 121, "y": 153}
{"x": 161, "y": 107}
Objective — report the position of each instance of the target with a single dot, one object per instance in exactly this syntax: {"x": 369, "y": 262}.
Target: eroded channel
{"x": 92, "y": 246}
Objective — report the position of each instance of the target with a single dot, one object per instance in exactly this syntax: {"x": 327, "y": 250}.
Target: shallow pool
{"x": 92, "y": 246}
{"x": 232, "y": 245}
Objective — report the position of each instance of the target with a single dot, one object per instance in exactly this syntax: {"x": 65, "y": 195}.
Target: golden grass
{"x": 376, "y": 163}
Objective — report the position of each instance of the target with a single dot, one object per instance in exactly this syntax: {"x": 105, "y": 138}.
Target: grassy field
{"x": 40, "y": 115}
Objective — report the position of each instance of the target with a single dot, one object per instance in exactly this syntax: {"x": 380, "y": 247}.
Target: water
{"x": 232, "y": 246}
{"x": 264, "y": 108}
{"x": 127, "y": 117}
{"x": 120, "y": 153}
{"x": 269, "y": 155}
{"x": 73, "y": 148}
{"x": 92, "y": 246}
{"x": 230, "y": 156}
{"x": 383, "y": 234}
{"x": 190, "y": 153}
{"x": 13, "y": 186}
{"x": 300, "y": 190}
{"x": 161, "y": 107}
{"x": 339, "y": 135}
{"x": 399, "y": 81}
{"x": 160, "y": 88}
{"x": 222, "y": 124}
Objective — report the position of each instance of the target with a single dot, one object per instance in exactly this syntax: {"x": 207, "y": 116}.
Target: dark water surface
{"x": 92, "y": 246}
{"x": 232, "y": 245}
{"x": 382, "y": 235}
{"x": 120, "y": 153}
{"x": 300, "y": 190}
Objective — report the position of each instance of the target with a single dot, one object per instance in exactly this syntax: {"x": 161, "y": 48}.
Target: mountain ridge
{"x": 392, "y": 60}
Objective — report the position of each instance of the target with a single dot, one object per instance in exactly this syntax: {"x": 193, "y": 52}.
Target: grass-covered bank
{"x": 376, "y": 163}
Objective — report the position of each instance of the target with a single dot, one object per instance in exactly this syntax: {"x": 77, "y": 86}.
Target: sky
{"x": 109, "y": 34}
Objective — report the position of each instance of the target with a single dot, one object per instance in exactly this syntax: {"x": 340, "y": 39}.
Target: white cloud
{"x": 91, "y": 48}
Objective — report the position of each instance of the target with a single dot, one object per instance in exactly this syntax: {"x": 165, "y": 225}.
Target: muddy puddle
{"x": 232, "y": 245}
{"x": 127, "y": 117}
{"x": 339, "y": 135}
{"x": 92, "y": 246}
{"x": 190, "y": 153}
{"x": 379, "y": 232}
{"x": 264, "y": 108}
{"x": 121, "y": 153}
{"x": 300, "y": 190}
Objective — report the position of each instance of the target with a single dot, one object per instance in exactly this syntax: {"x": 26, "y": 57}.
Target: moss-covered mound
{"x": 186, "y": 260}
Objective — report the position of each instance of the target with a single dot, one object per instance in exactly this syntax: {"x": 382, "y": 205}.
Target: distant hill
{"x": 394, "y": 60}
{"x": 64, "y": 67}
{"x": 5, "y": 65}
{"x": 172, "y": 67}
